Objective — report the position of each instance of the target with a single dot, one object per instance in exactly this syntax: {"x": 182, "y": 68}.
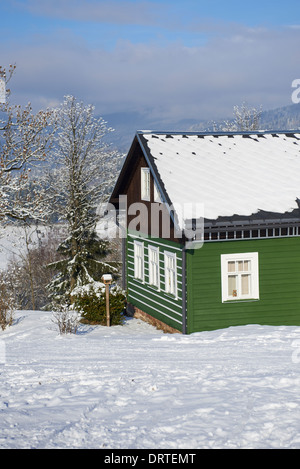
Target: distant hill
{"x": 284, "y": 118}
{"x": 127, "y": 123}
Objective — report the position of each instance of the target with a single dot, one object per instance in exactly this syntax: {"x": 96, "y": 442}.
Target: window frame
{"x": 145, "y": 184}
{"x": 154, "y": 267}
{"x": 139, "y": 261}
{"x": 172, "y": 291}
{"x": 253, "y": 273}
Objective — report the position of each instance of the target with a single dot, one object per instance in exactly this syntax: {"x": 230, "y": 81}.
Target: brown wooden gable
{"x": 129, "y": 184}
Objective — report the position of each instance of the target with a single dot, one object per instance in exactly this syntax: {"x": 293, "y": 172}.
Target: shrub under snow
{"x": 90, "y": 301}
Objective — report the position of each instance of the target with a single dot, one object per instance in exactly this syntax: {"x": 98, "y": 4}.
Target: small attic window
{"x": 145, "y": 183}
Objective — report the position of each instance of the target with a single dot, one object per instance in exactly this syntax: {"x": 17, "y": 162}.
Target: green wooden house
{"x": 212, "y": 228}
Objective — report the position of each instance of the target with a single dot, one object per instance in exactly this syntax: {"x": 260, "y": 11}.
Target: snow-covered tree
{"x": 84, "y": 172}
{"x": 25, "y": 138}
{"x": 245, "y": 119}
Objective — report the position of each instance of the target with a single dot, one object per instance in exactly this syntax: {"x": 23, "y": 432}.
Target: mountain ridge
{"x": 126, "y": 124}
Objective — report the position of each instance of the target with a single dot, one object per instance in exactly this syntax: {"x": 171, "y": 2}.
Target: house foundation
{"x": 137, "y": 313}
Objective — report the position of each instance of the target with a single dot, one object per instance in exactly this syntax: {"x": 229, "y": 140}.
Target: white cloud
{"x": 173, "y": 81}
{"x": 111, "y": 11}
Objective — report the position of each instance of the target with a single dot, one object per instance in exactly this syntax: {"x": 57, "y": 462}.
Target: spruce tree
{"x": 84, "y": 173}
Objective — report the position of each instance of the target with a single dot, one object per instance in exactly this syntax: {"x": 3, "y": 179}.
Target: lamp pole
{"x": 107, "y": 305}
{"x": 107, "y": 279}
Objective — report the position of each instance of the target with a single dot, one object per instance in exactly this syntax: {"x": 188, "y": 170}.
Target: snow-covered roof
{"x": 229, "y": 173}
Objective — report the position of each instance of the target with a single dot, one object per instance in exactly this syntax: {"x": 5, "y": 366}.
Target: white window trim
{"x": 254, "y": 281}
{"x": 139, "y": 269}
{"x": 173, "y": 256}
{"x": 145, "y": 184}
{"x": 152, "y": 265}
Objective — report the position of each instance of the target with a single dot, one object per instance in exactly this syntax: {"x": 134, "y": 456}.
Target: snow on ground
{"x": 133, "y": 387}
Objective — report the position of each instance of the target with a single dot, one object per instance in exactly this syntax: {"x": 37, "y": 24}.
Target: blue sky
{"x": 170, "y": 59}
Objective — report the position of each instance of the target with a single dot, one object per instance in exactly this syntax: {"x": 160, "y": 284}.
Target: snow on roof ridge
{"x": 217, "y": 133}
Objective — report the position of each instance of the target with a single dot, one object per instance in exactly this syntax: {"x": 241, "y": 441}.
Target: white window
{"x": 139, "y": 260}
{"x": 170, "y": 273}
{"x": 240, "y": 276}
{"x": 145, "y": 183}
{"x": 153, "y": 256}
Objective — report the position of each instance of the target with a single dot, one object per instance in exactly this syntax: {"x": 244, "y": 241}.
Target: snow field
{"x": 133, "y": 387}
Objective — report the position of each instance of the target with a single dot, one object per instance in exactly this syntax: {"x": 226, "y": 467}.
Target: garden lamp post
{"x": 107, "y": 279}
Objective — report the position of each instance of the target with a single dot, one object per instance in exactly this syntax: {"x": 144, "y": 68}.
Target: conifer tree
{"x": 83, "y": 174}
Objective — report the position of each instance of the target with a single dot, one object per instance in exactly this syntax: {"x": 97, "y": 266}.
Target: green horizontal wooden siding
{"x": 279, "y": 285}
{"x": 155, "y": 302}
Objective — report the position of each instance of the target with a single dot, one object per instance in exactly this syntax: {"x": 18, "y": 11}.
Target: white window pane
{"x": 240, "y": 266}
{"x": 171, "y": 282}
{"x": 153, "y": 267}
{"x": 172, "y": 289}
{"x": 140, "y": 267}
{"x": 156, "y": 276}
{"x": 139, "y": 260}
{"x": 170, "y": 273}
{"x": 145, "y": 183}
{"x": 245, "y": 284}
{"x": 231, "y": 266}
{"x": 232, "y": 288}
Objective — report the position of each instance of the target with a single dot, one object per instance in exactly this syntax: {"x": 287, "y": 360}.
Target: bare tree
{"x": 25, "y": 138}
{"x": 26, "y": 275}
{"x": 7, "y": 302}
